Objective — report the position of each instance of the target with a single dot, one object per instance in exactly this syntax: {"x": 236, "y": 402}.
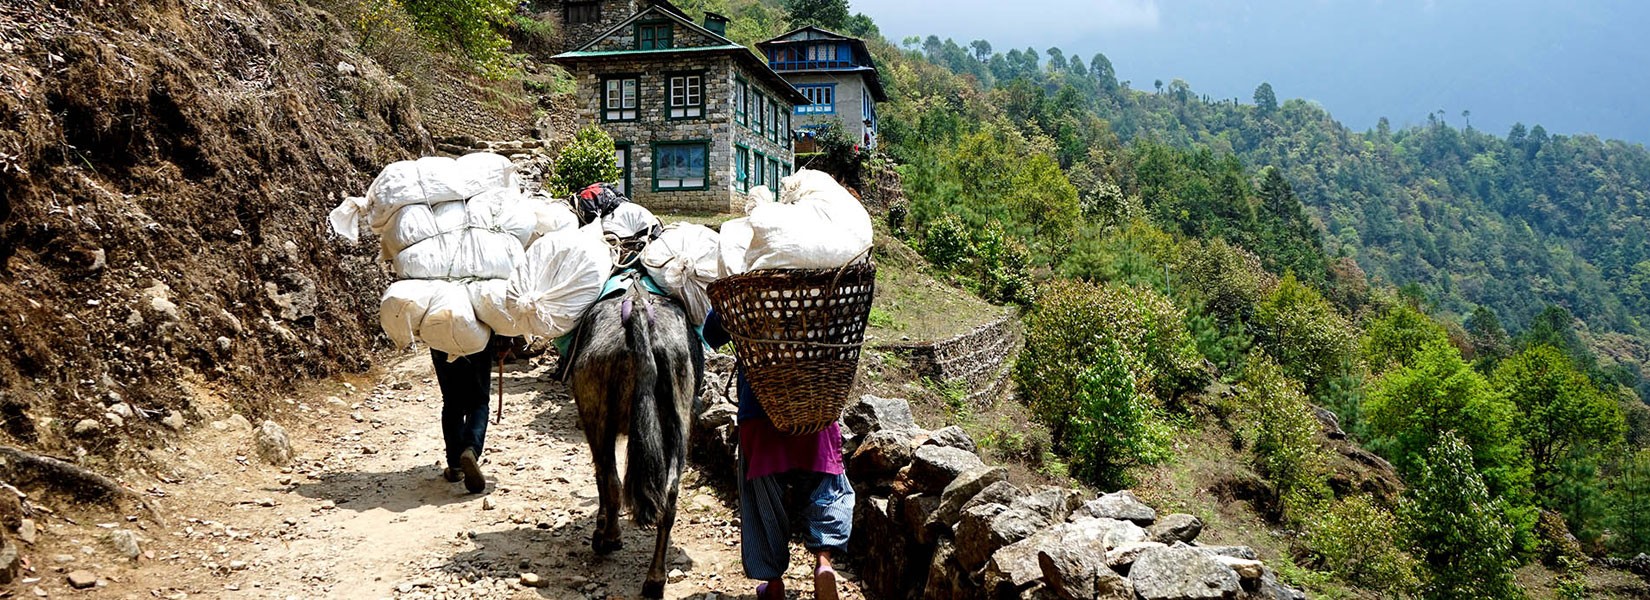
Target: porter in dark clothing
{"x": 466, "y": 383}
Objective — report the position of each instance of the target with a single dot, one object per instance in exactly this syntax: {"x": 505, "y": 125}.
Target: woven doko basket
{"x": 798, "y": 333}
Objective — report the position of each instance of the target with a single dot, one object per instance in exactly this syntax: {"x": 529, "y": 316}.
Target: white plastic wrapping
{"x": 482, "y": 171}
{"x": 629, "y": 219}
{"x": 402, "y": 309}
{"x": 489, "y": 298}
{"x": 735, "y": 243}
{"x": 415, "y": 223}
{"x": 822, "y": 227}
{"x": 451, "y": 325}
{"x": 502, "y": 210}
{"x": 684, "y": 260}
{"x": 552, "y": 217}
{"x": 464, "y": 254}
{"x": 559, "y": 278}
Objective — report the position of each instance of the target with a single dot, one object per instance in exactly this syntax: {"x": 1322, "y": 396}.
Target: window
{"x": 740, "y": 97}
{"x": 785, "y": 141}
{"x": 742, "y": 168}
{"x": 687, "y": 96}
{"x": 773, "y": 172}
{"x": 773, "y": 120}
{"x": 785, "y": 170}
{"x": 680, "y": 166}
{"x": 619, "y": 99}
{"x": 756, "y": 111}
{"x": 819, "y": 52}
{"x": 621, "y": 153}
{"x": 821, "y": 99}
{"x": 653, "y": 36}
{"x": 578, "y": 13}
{"x": 756, "y": 172}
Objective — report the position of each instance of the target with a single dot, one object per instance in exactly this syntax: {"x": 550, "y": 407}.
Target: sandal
{"x": 762, "y": 592}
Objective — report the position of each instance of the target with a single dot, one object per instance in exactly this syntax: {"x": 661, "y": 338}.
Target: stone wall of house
{"x": 977, "y": 358}
{"x": 574, "y": 35}
{"x": 680, "y": 37}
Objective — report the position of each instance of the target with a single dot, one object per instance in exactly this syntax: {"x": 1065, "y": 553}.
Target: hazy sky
{"x": 1571, "y": 66}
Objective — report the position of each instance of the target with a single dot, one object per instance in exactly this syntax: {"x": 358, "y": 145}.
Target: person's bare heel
{"x": 825, "y": 583}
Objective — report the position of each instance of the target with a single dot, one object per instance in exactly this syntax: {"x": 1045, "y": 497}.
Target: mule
{"x": 635, "y": 372}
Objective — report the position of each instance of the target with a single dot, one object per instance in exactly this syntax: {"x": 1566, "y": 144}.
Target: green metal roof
{"x": 599, "y": 53}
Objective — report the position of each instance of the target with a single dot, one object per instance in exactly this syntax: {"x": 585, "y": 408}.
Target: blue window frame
{"x": 680, "y": 166}
{"x": 821, "y": 99}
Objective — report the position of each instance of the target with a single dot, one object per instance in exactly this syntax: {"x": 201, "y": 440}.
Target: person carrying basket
{"x": 772, "y": 463}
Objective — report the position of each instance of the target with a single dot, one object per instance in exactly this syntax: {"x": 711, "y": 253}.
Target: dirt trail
{"x": 364, "y": 512}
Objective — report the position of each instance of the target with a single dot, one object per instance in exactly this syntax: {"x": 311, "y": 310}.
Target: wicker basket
{"x": 798, "y": 333}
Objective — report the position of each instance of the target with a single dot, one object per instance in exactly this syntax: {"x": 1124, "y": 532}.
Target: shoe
{"x": 452, "y": 475}
{"x": 763, "y": 592}
{"x": 825, "y": 584}
{"x": 473, "y": 480}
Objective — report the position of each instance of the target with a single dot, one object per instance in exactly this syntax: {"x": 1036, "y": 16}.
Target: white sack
{"x": 451, "y": 325}
{"x": 551, "y": 217}
{"x": 824, "y": 227}
{"x": 502, "y": 210}
{"x": 415, "y": 223}
{"x": 402, "y": 309}
{"x": 684, "y": 260}
{"x": 757, "y": 197}
{"x": 629, "y": 219}
{"x": 428, "y": 180}
{"x": 559, "y": 278}
{"x": 489, "y": 299}
{"x": 346, "y": 218}
{"x": 465, "y": 254}
{"x": 482, "y": 171}
{"x": 735, "y": 241}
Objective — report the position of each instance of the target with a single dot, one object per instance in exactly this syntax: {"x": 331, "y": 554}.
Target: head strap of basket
{"x": 798, "y": 333}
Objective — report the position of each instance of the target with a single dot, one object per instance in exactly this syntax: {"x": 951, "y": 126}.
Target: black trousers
{"x": 464, "y": 392}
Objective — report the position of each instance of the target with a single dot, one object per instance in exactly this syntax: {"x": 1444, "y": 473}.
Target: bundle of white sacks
{"x": 474, "y": 255}
{"x": 815, "y": 224}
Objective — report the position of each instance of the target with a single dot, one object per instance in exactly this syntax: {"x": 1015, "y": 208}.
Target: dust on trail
{"x": 364, "y": 512}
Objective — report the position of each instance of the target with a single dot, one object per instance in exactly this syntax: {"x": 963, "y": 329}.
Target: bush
{"x": 1279, "y": 426}
{"x": 1360, "y": 543}
{"x": 1229, "y": 280}
{"x": 473, "y": 26}
{"x": 1111, "y": 426}
{"x": 1310, "y": 340}
{"x": 1004, "y": 266}
{"x": 946, "y": 243}
{"x": 1395, "y": 337}
{"x": 589, "y": 159}
{"x": 1073, "y": 324}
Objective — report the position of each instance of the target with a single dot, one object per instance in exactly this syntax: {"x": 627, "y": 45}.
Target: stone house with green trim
{"x": 697, "y": 119}
{"x": 836, "y": 74}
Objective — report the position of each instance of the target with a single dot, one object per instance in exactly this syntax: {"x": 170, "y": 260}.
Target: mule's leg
{"x": 606, "y": 538}
{"x": 654, "y": 586}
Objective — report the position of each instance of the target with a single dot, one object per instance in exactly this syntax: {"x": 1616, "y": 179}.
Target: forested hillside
{"x": 1197, "y": 273}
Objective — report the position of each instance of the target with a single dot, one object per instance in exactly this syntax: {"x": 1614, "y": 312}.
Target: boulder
{"x": 1330, "y": 423}
{"x": 1053, "y": 502}
{"x": 715, "y": 439}
{"x": 1178, "y": 527}
{"x": 1016, "y": 565}
{"x": 1075, "y": 574}
{"x": 882, "y": 454}
{"x": 1118, "y": 505}
{"x": 1122, "y": 556}
{"x": 914, "y": 511}
{"x": 11, "y": 562}
{"x": 888, "y": 563}
{"x": 872, "y": 414}
{"x": 934, "y": 467}
{"x": 946, "y": 578}
{"x": 1243, "y": 552}
{"x": 1181, "y": 573}
{"x": 962, "y": 490}
{"x": 1002, "y": 492}
{"x": 272, "y": 444}
{"x": 952, "y": 437}
{"x": 1269, "y": 588}
{"x": 974, "y": 545}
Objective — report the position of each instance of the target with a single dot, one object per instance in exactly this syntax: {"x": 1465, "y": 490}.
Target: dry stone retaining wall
{"x": 978, "y": 358}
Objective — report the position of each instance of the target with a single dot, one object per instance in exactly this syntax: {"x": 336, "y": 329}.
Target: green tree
{"x": 1630, "y": 506}
{"x": 1359, "y": 542}
{"x": 589, "y": 159}
{"x": 1281, "y": 429}
{"x": 1112, "y": 427}
{"x": 474, "y": 26}
{"x": 1561, "y": 414}
{"x": 1489, "y": 340}
{"x": 1265, "y": 99}
{"x": 827, "y": 14}
{"x": 1457, "y": 529}
{"x": 1394, "y": 338}
{"x": 1309, "y": 338}
{"x": 1414, "y": 406}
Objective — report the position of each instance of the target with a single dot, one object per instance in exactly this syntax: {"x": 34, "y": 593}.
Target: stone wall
{"x": 574, "y": 35}
{"x": 933, "y": 521}
{"x": 977, "y": 358}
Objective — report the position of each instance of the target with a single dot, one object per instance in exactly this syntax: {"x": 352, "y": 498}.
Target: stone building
{"x": 698, "y": 119}
{"x": 836, "y": 74}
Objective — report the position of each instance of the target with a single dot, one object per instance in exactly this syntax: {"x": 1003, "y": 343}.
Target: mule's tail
{"x": 649, "y": 451}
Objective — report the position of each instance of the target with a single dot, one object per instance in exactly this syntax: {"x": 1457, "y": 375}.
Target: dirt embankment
{"x": 165, "y": 170}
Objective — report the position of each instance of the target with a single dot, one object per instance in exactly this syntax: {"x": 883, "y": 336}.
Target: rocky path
{"x": 364, "y": 513}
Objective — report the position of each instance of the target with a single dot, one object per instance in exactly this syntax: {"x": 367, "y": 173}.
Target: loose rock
{"x": 81, "y": 579}
{"x": 272, "y": 444}
{"x": 1178, "y": 527}
{"x": 872, "y": 414}
{"x": 1118, "y": 505}
{"x": 125, "y": 543}
{"x": 1181, "y": 573}
{"x": 952, "y": 437}
{"x": 933, "y": 467}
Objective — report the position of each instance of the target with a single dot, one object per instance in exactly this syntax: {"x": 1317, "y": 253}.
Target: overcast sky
{"x": 1572, "y": 66}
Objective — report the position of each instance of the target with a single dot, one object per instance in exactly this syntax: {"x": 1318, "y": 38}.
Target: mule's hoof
{"x": 602, "y": 546}
{"x": 653, "y": 589}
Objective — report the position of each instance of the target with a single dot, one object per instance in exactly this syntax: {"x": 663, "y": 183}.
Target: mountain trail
{"x": 364, "y": 513}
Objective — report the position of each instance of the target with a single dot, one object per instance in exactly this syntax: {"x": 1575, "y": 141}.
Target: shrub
{"x": 1395, "y": 337}
{"x": 1457, "y": 528}
{"x": 1229, "y": 279}
{"x": 946, "y": 243}
{"x": 473, "y": 26}
{"x": 1111, "y": 426}
{"x": 1279, "y": 426}
{"x": 589, "y": 159}
{"x": 1073, "y": 323}
{"x": 1361, "y": 543}
{"x": 1004, "y": 266}
{"x": 1303, "y": 332}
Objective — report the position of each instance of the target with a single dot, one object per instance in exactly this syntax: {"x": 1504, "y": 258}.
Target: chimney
{"x": 716, "y": 23}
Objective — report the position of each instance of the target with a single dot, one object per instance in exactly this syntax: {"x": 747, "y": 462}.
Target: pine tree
{"x": 1456, "y": 528}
